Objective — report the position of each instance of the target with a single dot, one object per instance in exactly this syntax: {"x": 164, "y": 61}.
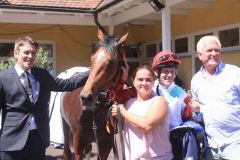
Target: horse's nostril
{"x": 83, "y": 100}
{"x": 87, "y": 100}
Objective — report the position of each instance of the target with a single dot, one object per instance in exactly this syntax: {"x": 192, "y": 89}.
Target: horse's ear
{"x": 123, "y": 39}
{"x": 100, "y": 34}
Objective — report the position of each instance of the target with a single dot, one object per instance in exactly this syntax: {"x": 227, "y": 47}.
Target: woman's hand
{"x": 114, "y": 109}
{"x": 114, "y": 112}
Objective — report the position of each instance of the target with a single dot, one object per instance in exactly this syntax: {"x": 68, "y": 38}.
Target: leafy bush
{"x": 41, "y": 60}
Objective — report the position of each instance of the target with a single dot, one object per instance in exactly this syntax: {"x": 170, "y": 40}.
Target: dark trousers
{"x": 176, "y": 148}
{"x": 184, "y": 147}
{"x": 33, "y": 149}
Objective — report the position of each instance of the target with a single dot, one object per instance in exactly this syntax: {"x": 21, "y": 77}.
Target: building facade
{"x": 70, "y": 43}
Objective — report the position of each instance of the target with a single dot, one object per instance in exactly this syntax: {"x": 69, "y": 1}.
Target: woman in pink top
{"x": 146, "y": 132}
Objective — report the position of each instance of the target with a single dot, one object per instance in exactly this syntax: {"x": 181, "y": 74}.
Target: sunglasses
{"x": 168, "y": 57}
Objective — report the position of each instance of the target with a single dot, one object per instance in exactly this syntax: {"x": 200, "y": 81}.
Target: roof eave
{"x": 46, "y": 8}
{"x": 60, "y": 9}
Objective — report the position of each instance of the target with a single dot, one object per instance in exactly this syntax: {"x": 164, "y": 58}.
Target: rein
{"x": 109, "y": 95}
{"x": 94, "y": 127}
{"x": 119, "y": 127}
{"x": 117, "y": 119}
{"x": 51, "y": 112}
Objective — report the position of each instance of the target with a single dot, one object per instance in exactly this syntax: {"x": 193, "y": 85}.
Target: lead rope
{"x": 53, "y": 105}
{"x": 119, "y": 125}
{"x": 94, "y": 127}
{"x": 114, "y": 145}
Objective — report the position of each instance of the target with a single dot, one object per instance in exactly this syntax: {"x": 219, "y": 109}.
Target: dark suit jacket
{"x": 17, "y": 108}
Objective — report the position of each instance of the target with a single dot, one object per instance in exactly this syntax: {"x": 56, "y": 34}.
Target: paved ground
{"x": 57, "y": 154}
{"x": 54, "y": 154}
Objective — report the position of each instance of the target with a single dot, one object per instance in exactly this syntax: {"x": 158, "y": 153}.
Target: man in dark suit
{"x": 25, "y": 122}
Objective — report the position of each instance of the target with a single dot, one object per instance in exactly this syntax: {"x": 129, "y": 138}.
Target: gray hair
{"x": 205, "y": 40}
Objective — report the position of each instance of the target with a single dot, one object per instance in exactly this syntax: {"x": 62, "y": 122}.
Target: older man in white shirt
{"x": 216, "y": 91}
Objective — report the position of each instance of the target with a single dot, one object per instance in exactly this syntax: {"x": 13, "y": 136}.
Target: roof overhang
{"x": 110, "y": 12}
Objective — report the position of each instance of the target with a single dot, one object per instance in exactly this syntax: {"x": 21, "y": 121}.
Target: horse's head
{"x": 105, "y": 67}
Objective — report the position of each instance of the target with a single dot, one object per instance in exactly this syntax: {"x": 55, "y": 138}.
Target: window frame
{"x": 174, "y": 44}
{"x": 231, "y": 48}
{"x": 52, "y": 59}
{"x": 157, "y": 43}
{"x": 191, "y": 42}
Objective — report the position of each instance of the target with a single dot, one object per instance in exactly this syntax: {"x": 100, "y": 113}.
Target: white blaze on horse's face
{"x": 104, "y": 68}
{"x": 100, "y": 74}
{"x": 100, "y": 56}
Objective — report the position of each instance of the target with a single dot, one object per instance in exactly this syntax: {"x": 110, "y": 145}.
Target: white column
{"x": 166, "y": 28}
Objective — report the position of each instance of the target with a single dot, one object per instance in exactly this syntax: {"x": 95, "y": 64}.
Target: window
{"x": 132, "y": 51}
{"x": 48, "y": 48}
{"x": 187, "y": 43}
{"x": 7, "y": 48}
{"x": 132, "y": 67}
{"x": 198, "y": 64}
{"x": 198, "y": 37}
{"x": 151, "y": 50}
{"x": 181, "y": 45}
{"x": 229, "y": 37}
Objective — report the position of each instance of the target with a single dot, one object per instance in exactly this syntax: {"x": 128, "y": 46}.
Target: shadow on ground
{"x": 54, "y": 158}
{"x": 57, "y": 154}
{"x": 49, "y": 157}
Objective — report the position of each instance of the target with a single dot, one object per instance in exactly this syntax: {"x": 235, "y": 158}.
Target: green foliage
{"x": 3, "y": 65}
{"x": 41, "y": 60}
{"x": 7, "y": 63}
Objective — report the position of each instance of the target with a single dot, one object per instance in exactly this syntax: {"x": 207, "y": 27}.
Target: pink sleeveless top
{"x": 140, "y": 145}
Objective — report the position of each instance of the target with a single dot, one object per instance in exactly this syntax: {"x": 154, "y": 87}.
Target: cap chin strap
{"x": 157, "y": 90}
{"x": 158, "y": 77}
{"x": 158, "y": 74}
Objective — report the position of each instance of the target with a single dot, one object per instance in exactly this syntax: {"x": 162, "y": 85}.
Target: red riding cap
{"x": 165, "y": 59}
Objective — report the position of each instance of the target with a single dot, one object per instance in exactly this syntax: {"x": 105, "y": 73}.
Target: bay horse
{"x": 77, "y": 122}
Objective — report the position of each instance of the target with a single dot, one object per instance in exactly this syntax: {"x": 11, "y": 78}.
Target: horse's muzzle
{"x": 87, "y": 100}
